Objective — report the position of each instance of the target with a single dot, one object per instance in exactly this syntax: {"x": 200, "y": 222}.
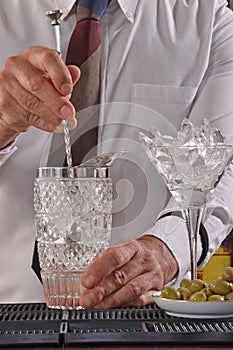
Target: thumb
{"x": 75, "y": 73}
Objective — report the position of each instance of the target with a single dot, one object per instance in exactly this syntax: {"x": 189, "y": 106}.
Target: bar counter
{"x": 35, "y": 326}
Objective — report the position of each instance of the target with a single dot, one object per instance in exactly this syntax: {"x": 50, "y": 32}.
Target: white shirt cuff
{"x": 172, "y": 231}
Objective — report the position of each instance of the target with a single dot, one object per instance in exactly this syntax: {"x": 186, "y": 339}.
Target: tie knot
{"x": 91, "y": 9}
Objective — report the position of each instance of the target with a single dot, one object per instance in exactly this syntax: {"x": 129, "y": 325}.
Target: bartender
{"x": 160, "y": 61}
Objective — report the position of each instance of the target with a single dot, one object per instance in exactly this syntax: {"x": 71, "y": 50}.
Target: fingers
{"x": 133, "y": 292}
{"x": 24, "y": 110}
{"x": 35, "y": 88}
{"x": 126, "y": 276}
{"x": 75, "y": 73}
{"x": 38, "y": 88}
{"x": 141, "y": 263}
{"x": 50, "y": 62}
{"x": 127, "y": 273}
{"x": 109, "y": 261}
{"x": 130, "y": 292}
{"x": 21, "y": 107}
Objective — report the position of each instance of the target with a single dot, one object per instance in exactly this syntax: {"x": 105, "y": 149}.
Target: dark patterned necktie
{"x": 84, "y": 51}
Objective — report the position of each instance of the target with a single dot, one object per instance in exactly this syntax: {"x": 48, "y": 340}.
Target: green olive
{"x": 185, "y": 293}
{"x": 229, "y": 296}
{"x": 227, "y": 274}
{"x": 208, "y": 292}
{"x": 196, "y": 285}
{"x": 219, "y": 289}
{"x": 185, "y": 283}
{"x": 220, "y": 286}
{"x": 198, "y": 296}
{"x": 170, "y": 292}
{"x": 216, "y": 297}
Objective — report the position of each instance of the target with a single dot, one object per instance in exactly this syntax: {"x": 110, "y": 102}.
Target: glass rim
{"x": 73, "y": 172}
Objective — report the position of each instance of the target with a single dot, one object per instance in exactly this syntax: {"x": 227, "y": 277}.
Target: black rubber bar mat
{"x": 35, "y": 324}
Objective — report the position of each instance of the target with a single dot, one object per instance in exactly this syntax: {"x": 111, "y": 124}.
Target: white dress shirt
{"x": 162, "y": 60}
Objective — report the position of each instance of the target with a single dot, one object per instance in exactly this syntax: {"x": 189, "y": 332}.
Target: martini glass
{"x": 191, "y": 167}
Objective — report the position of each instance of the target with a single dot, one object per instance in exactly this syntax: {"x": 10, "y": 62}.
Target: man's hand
{"x": 128, "y": 273}
{"x": 35, "y": 88}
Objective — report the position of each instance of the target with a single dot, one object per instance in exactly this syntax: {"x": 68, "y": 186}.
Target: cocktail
{"x": 191, "y": 164}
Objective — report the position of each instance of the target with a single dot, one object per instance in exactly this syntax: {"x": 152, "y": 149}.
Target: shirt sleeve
{"x": 214, "y": 102}
{"x": 172, "y": 231}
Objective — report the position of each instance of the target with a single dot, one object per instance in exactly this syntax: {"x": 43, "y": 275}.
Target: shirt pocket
{"x": 160, "y": 106}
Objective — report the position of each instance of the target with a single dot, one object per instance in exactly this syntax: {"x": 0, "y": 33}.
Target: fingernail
{"x": 87, "y": 300}
{"x": 72, "y": 123}
{"x": 67, "y": 111}
{"x": 89, "y": 281}
{"x": 66, "y": 88}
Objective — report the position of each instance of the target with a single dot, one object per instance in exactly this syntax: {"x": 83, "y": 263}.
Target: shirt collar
{"x": 65, "y": 6}
{"x": 128, "y": 7}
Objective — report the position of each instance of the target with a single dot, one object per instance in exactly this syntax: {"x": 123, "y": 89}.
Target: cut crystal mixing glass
{"x": 73, "y": 227}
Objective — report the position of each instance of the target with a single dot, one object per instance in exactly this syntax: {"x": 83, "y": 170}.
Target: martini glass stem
{"x": 193, "y": 217}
